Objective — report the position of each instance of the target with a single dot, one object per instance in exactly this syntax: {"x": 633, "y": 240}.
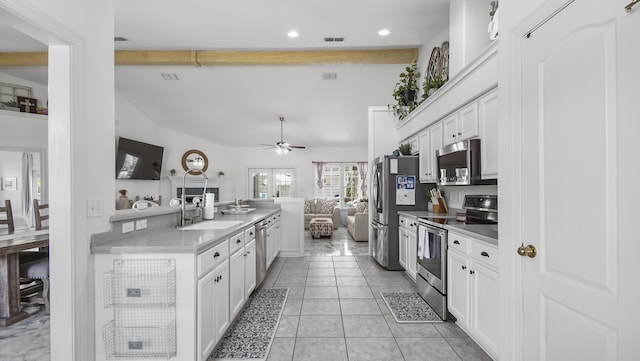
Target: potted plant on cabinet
{"x": 172, "y": 172}
{"x": 405, "y": 91}
{"x": 430, "y": 86}
{"x": 221, "y": 174}
{"x": 405, "y": 149}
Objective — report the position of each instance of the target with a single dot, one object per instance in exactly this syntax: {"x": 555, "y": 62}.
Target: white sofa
{"x": 358, "y": 222}
{"x": 327, "y": 208}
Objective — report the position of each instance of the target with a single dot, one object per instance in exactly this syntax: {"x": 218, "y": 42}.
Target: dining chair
{"x": 35, "y": 266}
{"x": 39, "y": 215}
{"x": 8, "y": 220}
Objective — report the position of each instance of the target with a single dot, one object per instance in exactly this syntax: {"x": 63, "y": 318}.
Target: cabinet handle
{"x": 246, "y": 254}
{"x": 250, "y": 233}
{"x": 401, "y": 221}
{"x": 456, "y": 242}
{"x": 464, "y": 267}
{"x": 459, "y": 133}
{"x": 472, "y": 272}
{"x": 217, "y": 254}
{"x": 485, "y": 254}
{"x": 453, "y": 135}
{"x": 239, "y": 240}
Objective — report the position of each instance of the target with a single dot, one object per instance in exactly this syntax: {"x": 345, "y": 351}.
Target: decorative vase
{"x": 123, "y": 202}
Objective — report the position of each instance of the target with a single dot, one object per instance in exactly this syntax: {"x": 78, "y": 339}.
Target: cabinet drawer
{"x": 212, "y": 257}
{"x": 458, "y": 243}
{"x": 485, "y": 253}
{"x": 249, "y": 234}
{"x": 236, "y": 242}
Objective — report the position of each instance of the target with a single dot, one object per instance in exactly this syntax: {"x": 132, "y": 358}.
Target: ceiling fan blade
{"x": 268, "y": 145}
{"x": 298, "y": 146}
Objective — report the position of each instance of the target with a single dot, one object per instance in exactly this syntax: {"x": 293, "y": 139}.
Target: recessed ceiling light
{"x": 293, "y": 34}
{"x": 384, "y": 32}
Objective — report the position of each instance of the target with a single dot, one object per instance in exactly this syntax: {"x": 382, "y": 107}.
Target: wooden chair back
{"x": 39, "y": 215}
{"x": 9, "y": 219}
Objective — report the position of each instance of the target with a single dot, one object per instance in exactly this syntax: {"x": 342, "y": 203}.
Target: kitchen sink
{"x": 210, "y": 225}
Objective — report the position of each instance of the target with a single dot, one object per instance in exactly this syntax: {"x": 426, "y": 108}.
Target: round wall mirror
{"x": 195, "y": 162}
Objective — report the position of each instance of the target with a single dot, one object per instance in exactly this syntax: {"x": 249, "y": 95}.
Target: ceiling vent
{"x": 120, "y": 38}
{"x": 170, "y": 77}
{"x": 329, "y": 76}
{"x": 333, "y": 40}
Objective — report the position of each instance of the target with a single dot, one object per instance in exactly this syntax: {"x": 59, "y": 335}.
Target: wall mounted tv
{"x": 138, "y": 160}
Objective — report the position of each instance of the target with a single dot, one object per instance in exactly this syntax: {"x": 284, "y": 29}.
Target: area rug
{"x": 251, "y": 334}
{"x": 409, "y": 307}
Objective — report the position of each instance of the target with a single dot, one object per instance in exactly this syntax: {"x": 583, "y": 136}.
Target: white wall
{"x": 468, "y": 22}
{"x": 132, "y": 122}
{"x": 80, "y": 143}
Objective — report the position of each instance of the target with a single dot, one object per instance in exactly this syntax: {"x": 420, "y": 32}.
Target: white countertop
{"x": 483, "y": 232}
{"x": 173, "y": 240}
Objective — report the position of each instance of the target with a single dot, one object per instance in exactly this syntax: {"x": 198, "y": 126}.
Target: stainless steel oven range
{"x": 432, "y": 247}
{"x": 431, "y": 279}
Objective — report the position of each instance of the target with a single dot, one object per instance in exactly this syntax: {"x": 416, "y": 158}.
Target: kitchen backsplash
{"x": 455, "y": 194}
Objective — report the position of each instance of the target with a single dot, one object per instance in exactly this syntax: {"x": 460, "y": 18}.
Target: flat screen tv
{"x": 138, "y": 160}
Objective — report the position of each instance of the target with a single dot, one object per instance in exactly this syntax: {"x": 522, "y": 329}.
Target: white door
{"x": 580, "y": 169}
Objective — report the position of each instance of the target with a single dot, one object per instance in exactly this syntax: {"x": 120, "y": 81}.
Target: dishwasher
{"x": 261, "y": 251}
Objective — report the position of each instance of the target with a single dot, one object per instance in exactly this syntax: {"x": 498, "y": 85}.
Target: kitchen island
{"x": 162, "y": 292}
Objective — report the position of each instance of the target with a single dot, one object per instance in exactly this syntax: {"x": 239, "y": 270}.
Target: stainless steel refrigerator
{"x": 395, "y": 186}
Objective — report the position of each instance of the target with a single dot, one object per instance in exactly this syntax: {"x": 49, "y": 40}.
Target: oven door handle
{"x": 439, "y": 231}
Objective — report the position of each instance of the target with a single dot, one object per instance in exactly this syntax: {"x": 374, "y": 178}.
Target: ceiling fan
{"x": 283, "y": 147}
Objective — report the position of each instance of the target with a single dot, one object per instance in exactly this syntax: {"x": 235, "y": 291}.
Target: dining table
{"x": 11, "y": 244}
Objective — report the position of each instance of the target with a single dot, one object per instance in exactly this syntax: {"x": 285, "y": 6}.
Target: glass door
{"x": 271, "y": 183}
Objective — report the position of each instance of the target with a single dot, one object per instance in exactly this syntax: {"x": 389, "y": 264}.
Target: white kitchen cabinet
{"x": 430, "y": 140}
{"x": 461, "y": 125}
{"x": 221, "y": 299}
{"x": 472, "y": 289}
{"x": 424, "y": 160}
{"x": 408, "y": 245}
{"x": 236, "y": 282}
{"x": 274, "y": 238}
{"x": 250, "y": 268}
{"x": 402, "y": 243}
{"x": 488, "y": 123}
{"x": 412, "y": 251}
{"x": 213, "y": 309}
{"x": 458, "y": 287}
{"x": 206, "y": 318}
{"x": 485, "y": 312}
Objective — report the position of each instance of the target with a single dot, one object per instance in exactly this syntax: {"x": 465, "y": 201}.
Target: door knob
{"x": 529, "y": 251}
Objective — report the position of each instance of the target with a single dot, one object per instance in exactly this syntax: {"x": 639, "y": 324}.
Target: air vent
{"x": 120, "y": 38}
{"x": 170, "y": 77}
{"x": 333, "y": 40}
{"x": 329, "y": 76}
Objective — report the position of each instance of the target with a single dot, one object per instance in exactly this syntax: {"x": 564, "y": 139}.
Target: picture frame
{"x": 27, "y": 105}
{"x": 9, "y": 183}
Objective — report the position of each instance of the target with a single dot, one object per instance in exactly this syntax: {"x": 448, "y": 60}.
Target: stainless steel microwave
{"x": 459, "y": 164}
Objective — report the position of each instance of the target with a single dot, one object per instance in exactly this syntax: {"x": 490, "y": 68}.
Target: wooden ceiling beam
{"x": 377, "y": 56}
{"x": 40, "y": 58}
{"x": 213, "y": 57}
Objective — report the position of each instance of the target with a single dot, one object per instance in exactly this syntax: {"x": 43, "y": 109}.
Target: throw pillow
{"x": 307, "y": 205}
{"x": 326, "y": 206}
{"x": 361, "y": 207}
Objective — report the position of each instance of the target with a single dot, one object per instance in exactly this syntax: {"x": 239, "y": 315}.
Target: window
{"x": 342, "y": 181}
{"x": 271, "y": 182}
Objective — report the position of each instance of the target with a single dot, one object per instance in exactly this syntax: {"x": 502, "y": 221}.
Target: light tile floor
{"x": 335, "y": 312}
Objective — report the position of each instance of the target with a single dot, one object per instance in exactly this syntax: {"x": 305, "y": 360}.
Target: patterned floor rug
{"x": 409, "y": 307}
{"x": 251, "y": 334}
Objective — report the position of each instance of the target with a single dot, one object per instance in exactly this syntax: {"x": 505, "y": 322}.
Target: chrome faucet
{"x": 196, "y": 165}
